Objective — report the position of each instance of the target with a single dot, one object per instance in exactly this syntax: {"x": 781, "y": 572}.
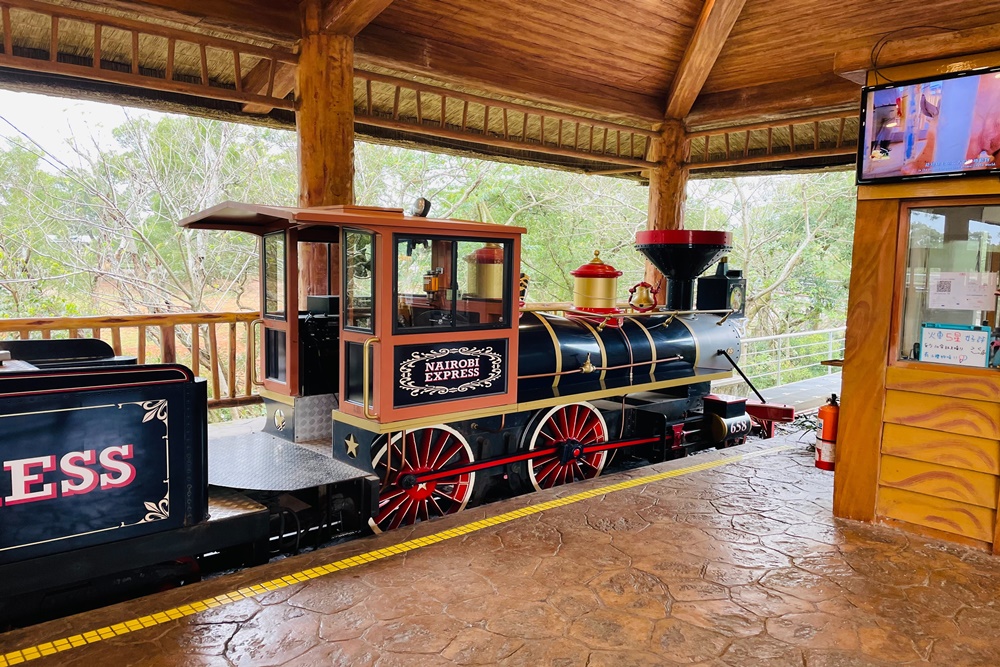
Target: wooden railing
{"x": 224, "y": 357}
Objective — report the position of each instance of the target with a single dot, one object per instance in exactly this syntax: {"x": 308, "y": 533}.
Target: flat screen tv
{"x": 945, "y": 126}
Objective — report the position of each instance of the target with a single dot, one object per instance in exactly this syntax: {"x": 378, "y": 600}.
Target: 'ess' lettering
{"x": 78, "y": 473}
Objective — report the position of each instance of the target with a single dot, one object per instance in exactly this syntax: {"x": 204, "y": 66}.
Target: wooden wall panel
{"x": 948, "y": 449}
{"x": 938, "y": 513}
{"x": 974, "y": 488}
{"x": 942, "y": 413}
{"x": 865, "y": 359}
{"x": 944, "y": 383}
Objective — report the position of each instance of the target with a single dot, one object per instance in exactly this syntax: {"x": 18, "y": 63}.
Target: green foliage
{"x": 792, "y": 237}
{"x": 99, "y": 236}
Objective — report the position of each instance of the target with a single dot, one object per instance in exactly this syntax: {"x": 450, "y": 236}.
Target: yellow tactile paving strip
{"x": 159, "y": 618}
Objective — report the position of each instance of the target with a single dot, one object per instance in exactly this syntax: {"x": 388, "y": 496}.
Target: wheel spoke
{"x": 435, "y": 458}
{"x": 569, "y": 424}
{"x": 393, "y": 508}
{"x": 573, "y": 413}
{"x": 564, "y": 427}
{"x": 593, "y": 428}
{"x": 417, "y": 452}
{"x": 438, "y": 492}
{"x": 548, "y": 468}
{"x": 396, "y": 518}
{"x": 432, "y": 501}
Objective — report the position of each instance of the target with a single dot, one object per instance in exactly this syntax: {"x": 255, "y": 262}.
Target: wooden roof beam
{"x": 258, "y": 80}
{"x": 710, "y": 33}
{"x": 349, "y": 17}
{"x": 774, "y": 102}
{"x": 341, "y": 17}
{"x": 911, "y": 47}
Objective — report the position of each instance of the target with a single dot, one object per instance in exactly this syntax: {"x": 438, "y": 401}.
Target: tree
{"x": 792, "y": 238}
{"x": 106, "y": 228}
{"x": 100, "y": 236}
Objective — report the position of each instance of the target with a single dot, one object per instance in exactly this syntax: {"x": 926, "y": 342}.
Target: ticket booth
{"x": 919, "y": 439}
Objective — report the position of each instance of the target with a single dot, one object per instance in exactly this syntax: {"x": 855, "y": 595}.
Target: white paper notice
{"x": 963, "y": 291}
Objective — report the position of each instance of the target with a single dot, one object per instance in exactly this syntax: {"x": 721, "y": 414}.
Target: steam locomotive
{"x": 402, "y": 336}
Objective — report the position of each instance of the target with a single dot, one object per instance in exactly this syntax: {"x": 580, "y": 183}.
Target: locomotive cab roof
{"x": 260, "y": 220}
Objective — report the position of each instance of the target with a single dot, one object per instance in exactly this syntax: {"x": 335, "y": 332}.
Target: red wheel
{"x": 567, "y": 426}
{"x": 403, "y": 502}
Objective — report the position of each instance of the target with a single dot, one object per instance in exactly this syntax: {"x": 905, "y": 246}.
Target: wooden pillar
{"x": 325, "y": 118}
{"x": 869, "y": 324}
{"x": 667, "y": 183}
{"x": 325, "y": 124}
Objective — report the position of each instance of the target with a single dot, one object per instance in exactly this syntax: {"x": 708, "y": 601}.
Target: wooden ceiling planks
{"x": 612, "y": 60}
{"x": 781, "y": 40}
{"x": 471, "y": 68}
{"x": 624, "y": 43}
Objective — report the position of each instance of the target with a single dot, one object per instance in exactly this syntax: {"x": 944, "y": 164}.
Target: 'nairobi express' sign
{"x": 429, "y": 373}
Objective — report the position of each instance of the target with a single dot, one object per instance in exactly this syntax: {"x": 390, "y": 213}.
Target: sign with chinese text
{"x": 954, "y": 344}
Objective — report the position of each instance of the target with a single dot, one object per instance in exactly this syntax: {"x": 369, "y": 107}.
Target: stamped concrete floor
{"x": 740, "y": 564}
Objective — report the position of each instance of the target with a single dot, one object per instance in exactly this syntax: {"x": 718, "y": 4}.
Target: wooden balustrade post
{"x": 168, "y": 344}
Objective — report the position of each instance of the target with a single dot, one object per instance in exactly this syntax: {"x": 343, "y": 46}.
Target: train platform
{"x": 806, "y": 395}
{"x": 724, "y": 558}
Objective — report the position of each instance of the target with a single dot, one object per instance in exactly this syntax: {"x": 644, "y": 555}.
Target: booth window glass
{"x": 448, "y": 284}
{"x": 359, "y": 280}
{"x": 949, "y": 287}
{"x": 274, "y": 275}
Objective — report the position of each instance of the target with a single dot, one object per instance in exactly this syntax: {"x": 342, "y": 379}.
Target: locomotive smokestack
{"x": 682, "y": 255}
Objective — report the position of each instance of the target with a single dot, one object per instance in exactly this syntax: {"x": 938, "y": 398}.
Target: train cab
{"x": 380, "y": 317}
{"x": 429, "y": 318}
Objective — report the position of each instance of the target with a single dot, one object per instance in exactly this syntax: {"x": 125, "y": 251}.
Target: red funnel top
{"x": 682, "y": 254}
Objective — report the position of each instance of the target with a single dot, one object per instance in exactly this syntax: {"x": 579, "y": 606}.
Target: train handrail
{"x": 366, "y": 375}
{"x": 253, "y": 368}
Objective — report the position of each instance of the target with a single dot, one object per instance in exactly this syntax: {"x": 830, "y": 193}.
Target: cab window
{"x": 359, "y": 280}
{"x": 274, "y": 275}
{"x": 444, "y": 284}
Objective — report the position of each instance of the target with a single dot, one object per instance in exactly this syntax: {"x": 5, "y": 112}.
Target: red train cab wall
{"x": 429, "y": 319}
{"x": 422, "y": 311}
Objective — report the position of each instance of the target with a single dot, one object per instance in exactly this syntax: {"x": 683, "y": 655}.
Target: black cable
{"x": 876, "y": 50}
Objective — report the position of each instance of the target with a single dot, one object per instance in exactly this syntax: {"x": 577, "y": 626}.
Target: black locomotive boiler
{"x": 402, "y": 338}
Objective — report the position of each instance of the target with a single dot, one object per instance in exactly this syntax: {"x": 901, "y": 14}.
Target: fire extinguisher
{"x": 826, "y": 434}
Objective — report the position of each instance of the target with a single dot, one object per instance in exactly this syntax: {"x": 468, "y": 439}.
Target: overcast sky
{"x": 52, "y": 121}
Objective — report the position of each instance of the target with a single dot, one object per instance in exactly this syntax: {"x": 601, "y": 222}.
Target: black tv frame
{"x": 863, "y": 144}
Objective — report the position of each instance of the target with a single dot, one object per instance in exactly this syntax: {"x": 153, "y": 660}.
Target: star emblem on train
{"x": 352, "y": 446}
